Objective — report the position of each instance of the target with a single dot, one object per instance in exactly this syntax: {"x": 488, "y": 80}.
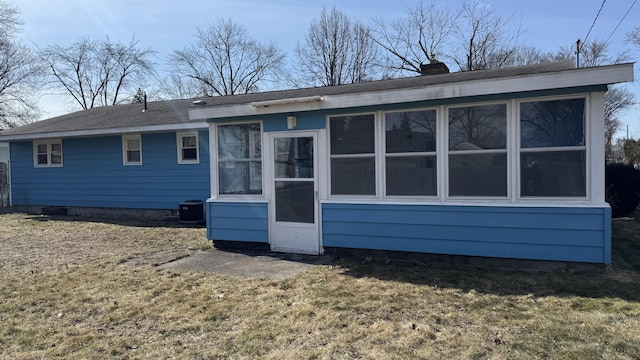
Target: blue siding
{"x": 238, "y": 221}
{"x": 93, "y": 175}
{"x": 540, "y": 233}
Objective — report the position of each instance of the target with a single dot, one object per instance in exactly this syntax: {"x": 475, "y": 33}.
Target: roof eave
{"x": 604, "y": 75}
{"x": 101, "y": 132}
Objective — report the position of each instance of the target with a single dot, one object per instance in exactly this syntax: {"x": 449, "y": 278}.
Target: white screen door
{"x": 295, "y": 193}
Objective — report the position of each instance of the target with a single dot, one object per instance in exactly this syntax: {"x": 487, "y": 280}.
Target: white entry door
{"x": 294, "y": 205}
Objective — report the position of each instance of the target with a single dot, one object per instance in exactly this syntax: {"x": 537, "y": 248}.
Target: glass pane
{"x": 478, "y": 127}
{"x": 56, "y": 159}
{"x": 189, "y": 154}
{"x": 413, "y": 131}
{"x": 133, "y": 156}
{"x": 42, "y": 148}
{"x": 56, "y": 148}
{"x": 295, "y": 201}
{"x": 552, "y": 123}
{"x": 188, "y": 141}
{"x": 478, "y": 175}
{"x": 42, "y": 159}
{"x": 241, "y": 141}
{"x": 560, "y": 173}
{"x": 352, "y": 134}
{"x": 353, "y": 176}
{"x": 411, "y": 175}
{"x": 294, "y": 157}
{"x": 133, "y": 144}
{"x": 240, "y": 177}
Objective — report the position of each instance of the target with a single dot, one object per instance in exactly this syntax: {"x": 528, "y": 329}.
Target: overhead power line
{"x": 621, "y": 20}
{"x": 594, "y": 21}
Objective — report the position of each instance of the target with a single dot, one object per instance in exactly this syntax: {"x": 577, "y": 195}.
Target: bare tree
{"x": 485, "y": 39}
{"x": 224, "y": 60}
{"x": 98, "y": 73}
{"x": 175, "y": 86}
{"x": 472, "y": 36}
{"x": 631, "y": 149}
{"x": 616, "y": 100}
{"x": 337, "y": 50}
{"x": 415, "y": 39}
{"x": 19, "y": 70}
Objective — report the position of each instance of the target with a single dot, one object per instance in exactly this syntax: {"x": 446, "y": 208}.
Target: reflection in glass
{"x": 352, "y": 134}
{"x": 478, "y": 127}
{"x": 555, "y": 173}
{"x": 413, "y": 131}
{"x": 552, "y": 123}
{"x": 295, "y": 201}
{"x": 294, "y": 157}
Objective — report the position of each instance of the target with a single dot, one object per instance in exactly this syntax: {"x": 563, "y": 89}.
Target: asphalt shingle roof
{"x": 175, "y": 112}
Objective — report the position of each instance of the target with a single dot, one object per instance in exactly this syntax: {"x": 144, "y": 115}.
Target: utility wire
{"x": 621, "y": 20}
{"x": 594, "y": 20}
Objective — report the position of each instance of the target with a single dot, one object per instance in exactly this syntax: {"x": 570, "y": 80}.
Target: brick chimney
{"x": 434, "y": 67}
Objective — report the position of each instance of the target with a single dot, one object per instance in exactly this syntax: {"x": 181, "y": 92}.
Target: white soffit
{"x": 531, "y": 82}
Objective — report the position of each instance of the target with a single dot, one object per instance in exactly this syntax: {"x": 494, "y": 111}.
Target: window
{"x": 240, "y": 159}
{"x": 132, "y": 150}
{"x": 188, "y": 152}
{"x": 352, "y": 144}
{"x": 478, "y": 150}
{"x": 552, "y": 148}
{"x": 47, "y": 153}
{"x": 410, "y": 153}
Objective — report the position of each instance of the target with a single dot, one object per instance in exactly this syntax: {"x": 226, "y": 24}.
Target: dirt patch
{"x": 37, "y": 243}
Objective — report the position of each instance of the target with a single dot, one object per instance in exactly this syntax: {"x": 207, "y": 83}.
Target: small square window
{"x": 132, "y": 149}
{"x": 188, "y": 152}
{"x": 48, "y": 153}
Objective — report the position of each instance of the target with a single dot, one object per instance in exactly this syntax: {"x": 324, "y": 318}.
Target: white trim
{"x": 276, "y": 227}
{"x": 596, "y": 149}
{"x": 179, "y": 137}
{"x": 48, "y": 143}
{"x": 101, "y": 132}
{"x": 375, "y": 155}
{"x": 287, "y": 101}
{"x": 504, "y": 150}
{"x": 588, "y": 135}
{"x": 125, "y": 149}
{"x": 423, "y": 154}
{"x": 502, "y": 202}
{"x": 214, "y": 162}
{"x": 531, "y": 82}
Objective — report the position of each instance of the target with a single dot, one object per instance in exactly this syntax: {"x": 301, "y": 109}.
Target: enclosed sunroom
{"x": 498, "y": 163}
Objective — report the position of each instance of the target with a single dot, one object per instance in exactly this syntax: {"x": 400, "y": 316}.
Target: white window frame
{"x": 586, "y": 148}
{"x": 378, "y": 158}
{"x": 215, "y": 163}
{"x": 179, "y": 137}
{"x": 49, "y": 153}
{"x": 125, "y": 149}
{"x": 507, "y": 150}
{"x": 435, "y": 154}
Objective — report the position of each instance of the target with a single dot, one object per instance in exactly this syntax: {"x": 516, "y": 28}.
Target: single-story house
{"x": 502, "y": 163}
{"x": 113, "y": 157}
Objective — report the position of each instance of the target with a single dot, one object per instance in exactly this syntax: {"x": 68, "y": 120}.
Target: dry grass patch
{"x": 65, "y": 294}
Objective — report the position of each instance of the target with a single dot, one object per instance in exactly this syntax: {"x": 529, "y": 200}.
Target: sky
{"x": 167, "y": 25}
